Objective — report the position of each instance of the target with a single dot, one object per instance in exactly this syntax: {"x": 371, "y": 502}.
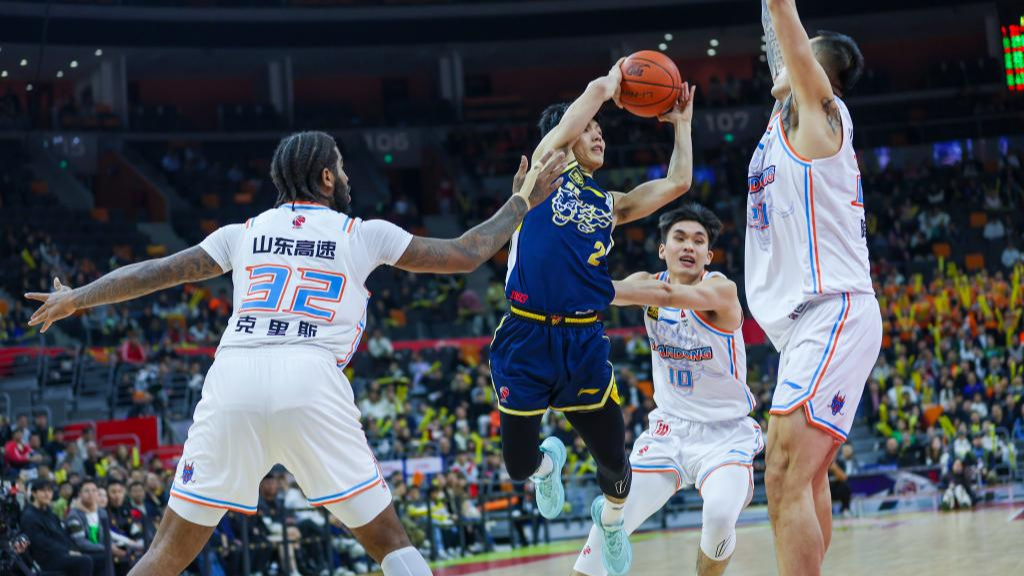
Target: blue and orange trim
{"x": 194, "y": 498}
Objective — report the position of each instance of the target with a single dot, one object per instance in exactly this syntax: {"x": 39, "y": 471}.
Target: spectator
{"x": 89, "y": 528}
{"x": 839, "y": 487}
{"x": 50, "y": 545}
{"x": 18, "y": 454}
{"x": 380, "y": 348}
{"x": 71, "y": 457}
{"x": 1011, "y": 255}
{"x": 958, "y": 494}
{"x": 994, "y": 230}
{"x": 60, "y": 505}
{"x": 891, "y": 456}
{"x": 126, "y": 530}
{"x": 132, "y": 351}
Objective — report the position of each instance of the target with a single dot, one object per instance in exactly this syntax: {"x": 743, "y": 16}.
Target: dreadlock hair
{"x": 298, "y": 162}
{"x": 691, "y": 212}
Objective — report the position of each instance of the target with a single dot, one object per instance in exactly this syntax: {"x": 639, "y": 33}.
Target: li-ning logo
{"x": 187, "y": 472}
{"x": 586, "y": 551}
{"x": 298, "y": 221}
{"x": 760, "y": 182}
{"x": 661, "y": 428}
{"x": 503, "y": 394}
{"x": 838, "y": 401}
{"x": 798, "y": 311}
{"x": 622, "y": 485}
{"x": 643, "y": 451}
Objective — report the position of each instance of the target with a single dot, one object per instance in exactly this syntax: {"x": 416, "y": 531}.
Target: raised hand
{"x": 56, "y": 305}
{"x": 682, "y": 110}
{"x": 537, "y": 183}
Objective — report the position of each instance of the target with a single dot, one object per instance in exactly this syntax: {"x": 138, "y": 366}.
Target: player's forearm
{"x": 578, "y": 116}
{"x": 680, "y": 166}
{"x": 774, "y": 53}
{"x": 467, "y": 252}
{"x": 141, "y": 278}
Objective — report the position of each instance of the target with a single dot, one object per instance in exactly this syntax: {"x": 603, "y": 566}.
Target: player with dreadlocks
{"x": 276, "y": 392}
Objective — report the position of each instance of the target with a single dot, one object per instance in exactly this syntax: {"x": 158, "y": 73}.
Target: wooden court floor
{"x": 985, "y": 542}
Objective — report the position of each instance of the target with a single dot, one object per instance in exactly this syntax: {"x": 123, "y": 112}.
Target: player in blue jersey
{"x": 550, "y": 350}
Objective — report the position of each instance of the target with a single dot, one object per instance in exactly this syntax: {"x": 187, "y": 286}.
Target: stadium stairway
{"x": 62, "y": 184}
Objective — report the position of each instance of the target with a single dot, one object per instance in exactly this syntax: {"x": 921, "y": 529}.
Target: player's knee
{"x": 520, "y": 468}
{"x": 718, "y": 541}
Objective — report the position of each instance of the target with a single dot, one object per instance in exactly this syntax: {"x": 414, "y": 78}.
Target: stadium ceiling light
{"x": 668, "y": 37}
{"x": 60, "y": 73}
{"x": 23, "y": 62}
{"x": 74, "y": 64}
{"x": 662, "y": 46}
{"x": 28, "y": 87}
{"x": 99, "y": 51}
{"x": 712, "y": 51}
{"x": 3, "y": 74}
{"x": 714, "y": 43}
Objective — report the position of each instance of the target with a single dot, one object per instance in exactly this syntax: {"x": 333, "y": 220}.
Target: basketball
{"x": 650, "y": 83}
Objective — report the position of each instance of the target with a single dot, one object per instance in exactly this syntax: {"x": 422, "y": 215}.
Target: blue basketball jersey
{"x": 558, "y": 258}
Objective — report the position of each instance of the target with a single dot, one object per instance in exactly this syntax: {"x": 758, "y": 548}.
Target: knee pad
{"x": 615, "y": 483}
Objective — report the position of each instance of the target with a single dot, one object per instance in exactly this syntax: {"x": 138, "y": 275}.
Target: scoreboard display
{"x": 1013, "y": 55}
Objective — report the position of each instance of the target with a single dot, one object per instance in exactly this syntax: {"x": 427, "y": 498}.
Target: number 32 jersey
{"x": 299, "y": 274}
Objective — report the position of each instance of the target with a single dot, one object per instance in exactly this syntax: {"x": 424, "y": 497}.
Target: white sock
{"x": 611, "y": 514}
{"x": 547, "y": 466}
{"x": 405, "y": 562}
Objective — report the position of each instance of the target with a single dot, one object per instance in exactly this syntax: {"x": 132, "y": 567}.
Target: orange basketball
{"x": 650, "y": 83}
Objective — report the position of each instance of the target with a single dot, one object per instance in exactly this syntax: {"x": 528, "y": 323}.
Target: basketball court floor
{"x": 983, "y": 542}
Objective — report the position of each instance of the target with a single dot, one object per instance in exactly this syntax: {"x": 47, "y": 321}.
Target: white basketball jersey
{"x": 806, "y": 230}
{"x": 700, "y": 371}
{"x": 299, "y": 273}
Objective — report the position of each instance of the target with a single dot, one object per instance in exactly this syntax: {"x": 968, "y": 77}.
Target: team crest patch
{"x": 576, "y": 177}
{"x": 838, "y": 401}
{"x": 652, "y": 313}
{"x": 187, "y": 472}
{"x": 503, "y": 394}
{"x": 298, "y": 221}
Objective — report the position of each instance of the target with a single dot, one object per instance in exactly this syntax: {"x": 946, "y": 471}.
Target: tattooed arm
{"x": 817, "y": 119}
{"x": 125, "y": 283}
{"x": 479, "y": 244}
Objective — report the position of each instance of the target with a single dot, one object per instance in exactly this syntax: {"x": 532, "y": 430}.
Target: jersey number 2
{"x": 599, "y": 252}
{"x": 268, "y": 284}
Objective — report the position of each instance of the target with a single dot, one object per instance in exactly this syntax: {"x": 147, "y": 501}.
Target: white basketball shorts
{"x": 692, "y": 451}
{"x": 277, "y": 404}
{"x": 827, "y": 359}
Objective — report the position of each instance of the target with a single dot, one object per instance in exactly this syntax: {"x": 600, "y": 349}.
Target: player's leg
{"x": 177, "y": 542}
{"x": 604, "y": 433}
{"x": 318, "y": 437}
{"x": 657, "y": 489}
{"x": 520, "y": 447}
{"x": 796, "y": 454}
{"x": 823, "y": 498}
{"x": 726, "y": 493}
{"x": 221, "y": 465}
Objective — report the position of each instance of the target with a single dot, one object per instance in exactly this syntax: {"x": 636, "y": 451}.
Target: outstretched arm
{"x": 480, "y": 243}
{"x": 125, "y": 283}
{"x": 581, "y": 112}
{"x": 717, "y": 295}
{"x": 812, "y": 89}
{"x": 648, "y": 197}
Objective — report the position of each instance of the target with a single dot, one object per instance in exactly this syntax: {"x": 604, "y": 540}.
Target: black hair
{"x": 552, "y": 115}
{"x": 691, "y": 212}
{"x": 297, "y": 164}
{"x": 841, "y": 58}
